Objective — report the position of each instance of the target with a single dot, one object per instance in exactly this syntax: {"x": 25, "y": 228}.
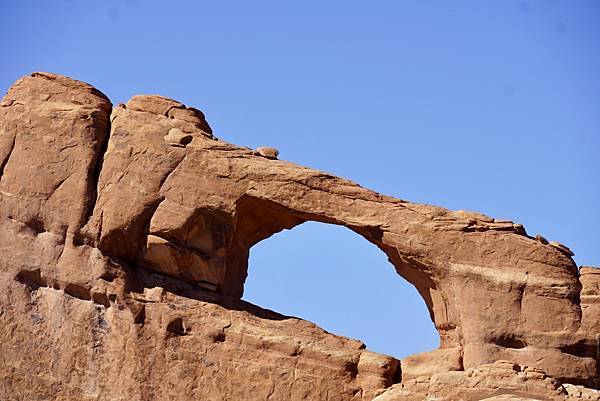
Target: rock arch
{"x": 196, "y": 216}
{"x": 146, "y": 186}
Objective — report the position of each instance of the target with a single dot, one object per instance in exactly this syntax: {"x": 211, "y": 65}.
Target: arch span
{"x": 258, "y": 219}
{"x": 161, "y": 193}
{"x": 207, "y": 202}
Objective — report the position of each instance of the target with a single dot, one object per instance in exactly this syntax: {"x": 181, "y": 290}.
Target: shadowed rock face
{"x": 125, "y": 235}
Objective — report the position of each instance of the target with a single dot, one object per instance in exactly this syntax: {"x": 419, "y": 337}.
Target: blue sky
{"x": 487, "y": 106}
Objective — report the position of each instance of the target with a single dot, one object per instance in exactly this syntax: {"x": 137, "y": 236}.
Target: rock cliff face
{"x": 124, "y": 242}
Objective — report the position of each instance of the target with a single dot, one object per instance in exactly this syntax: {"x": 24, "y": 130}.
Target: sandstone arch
{"x": 146, "y": 186}
{"x": 258, "y": 218}
{"x": 468, "y": 267}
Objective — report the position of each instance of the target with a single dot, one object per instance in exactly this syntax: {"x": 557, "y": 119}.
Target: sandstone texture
{"x": 124, "y": 241}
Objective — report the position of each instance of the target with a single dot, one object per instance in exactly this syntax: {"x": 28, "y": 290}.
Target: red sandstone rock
{"x": 124, "y": 242}
{"x": 501, "y": 380}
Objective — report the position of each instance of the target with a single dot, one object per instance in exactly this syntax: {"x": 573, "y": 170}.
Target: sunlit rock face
{"x": 124, "y": 240}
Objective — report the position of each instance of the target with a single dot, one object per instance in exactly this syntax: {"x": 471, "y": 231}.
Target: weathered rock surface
{"x": 124, "y": 242}
{"x": 501, "y": 380}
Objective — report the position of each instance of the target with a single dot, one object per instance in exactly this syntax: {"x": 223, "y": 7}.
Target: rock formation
{"x": 124, "y": 242}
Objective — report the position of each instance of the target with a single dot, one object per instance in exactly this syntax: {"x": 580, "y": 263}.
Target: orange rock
{"x": 124, "y": 243}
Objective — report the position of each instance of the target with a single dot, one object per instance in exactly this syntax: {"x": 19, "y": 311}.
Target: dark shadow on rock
{"x": 139, "y": 278}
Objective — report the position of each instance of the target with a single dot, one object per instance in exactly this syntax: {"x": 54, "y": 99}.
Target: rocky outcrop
{"x": 124, "y": 249}
{"x": 501, "y": 380}
{"x": 590, "y": 300}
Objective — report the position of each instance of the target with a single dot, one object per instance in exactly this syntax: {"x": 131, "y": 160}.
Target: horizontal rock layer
{"x": 124, "y": 249}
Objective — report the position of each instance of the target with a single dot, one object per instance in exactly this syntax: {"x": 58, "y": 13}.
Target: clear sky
{"x": 491, "y": 106}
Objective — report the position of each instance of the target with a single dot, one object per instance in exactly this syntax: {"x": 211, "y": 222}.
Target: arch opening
{"x": 330, "y": 276}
